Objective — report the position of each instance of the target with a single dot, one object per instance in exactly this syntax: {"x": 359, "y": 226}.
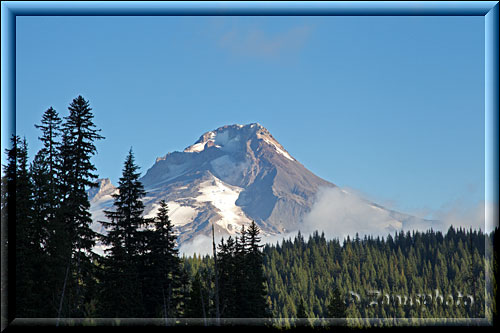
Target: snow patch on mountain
{"x": 179, "y": 214}
{"x": 278, "y": 149}
{"x": 214, "y": 192}
{"x": 224, "y": 138}
{"x": 223, "y": 197}
{"x": 199, "y": 146}
{"x": 196, "y": 148}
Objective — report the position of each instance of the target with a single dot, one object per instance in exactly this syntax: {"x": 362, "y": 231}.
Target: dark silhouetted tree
{"x": 121, "y": 292}
{"x": 74, "y": 237}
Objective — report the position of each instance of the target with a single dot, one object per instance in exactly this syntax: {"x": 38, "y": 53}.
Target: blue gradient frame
{"x": 489, "y": 9}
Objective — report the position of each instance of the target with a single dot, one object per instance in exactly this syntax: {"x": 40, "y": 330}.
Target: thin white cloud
{"x": 200, "y": 244}
{"x": 456, "y": 214}
{"x": 257, "y": 43}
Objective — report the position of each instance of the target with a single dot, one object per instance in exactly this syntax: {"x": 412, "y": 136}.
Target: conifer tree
{"x": 44, "y": 170}
{"x": 46, "y": 165}
{"x": 7, "y": 205}
{"x": 301, "y": 310}
{"x": 42, "y": 209}
{"x": 74, "y": 238}
{"x": 337, "y": 308}
{"x": 25, "y": 237}
{"x": 121, "y": 294}
{"x": 9, "y": 180}
{"x": 51, "y": 131}
{"x": 228, "y": 278}
{"x": 42, "y": 217}
{"x": 257, "y": 305}
{"x": 197, "y": 305}
{"x": 241, "y": 268}
{"x": 19, "y": 203}
{"x": 241, "y": 276}
{"x": 162, "y": 270}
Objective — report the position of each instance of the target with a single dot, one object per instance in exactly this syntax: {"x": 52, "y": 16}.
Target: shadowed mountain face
{"x": 229, "y": 177}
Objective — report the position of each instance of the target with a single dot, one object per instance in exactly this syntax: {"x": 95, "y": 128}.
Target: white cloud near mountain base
{"x": 339, "y": 213}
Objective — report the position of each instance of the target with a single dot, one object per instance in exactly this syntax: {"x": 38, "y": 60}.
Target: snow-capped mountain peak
{"x": 227, "y": 178}
{"x": 231, "y": 138}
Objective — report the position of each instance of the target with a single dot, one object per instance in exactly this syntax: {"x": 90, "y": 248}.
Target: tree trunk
{"x": 62, "y": 294}
{"x": 217, "y": 313}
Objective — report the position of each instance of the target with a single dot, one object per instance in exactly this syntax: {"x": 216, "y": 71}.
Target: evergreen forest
{"x": 408, "y": 278}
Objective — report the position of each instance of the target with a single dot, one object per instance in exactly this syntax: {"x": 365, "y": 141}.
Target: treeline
{"x": 57, "y": 273}
{"x": 417, "y": 275}
{"x": 411, "y": 275}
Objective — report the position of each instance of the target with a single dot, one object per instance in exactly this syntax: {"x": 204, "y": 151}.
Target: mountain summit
{"x": 228, "y": 177}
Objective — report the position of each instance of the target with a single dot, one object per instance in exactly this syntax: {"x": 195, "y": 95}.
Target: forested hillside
{"x": 406, "y": 275}
{"x": 417, "y": 275}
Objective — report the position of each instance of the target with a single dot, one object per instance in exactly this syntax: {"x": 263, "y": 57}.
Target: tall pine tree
{"x": 74, "y": 237}
{"x": 44, "y": 170}
{"x": 25, "y": 235}
{"x": 46, "y": 166}
{"x": 162, "y": 268}
{"x": 51, "y": 131}
{"x": 228, "y": 279}
{"x": 256, "y": 279}
{"x": 121, "y": 294}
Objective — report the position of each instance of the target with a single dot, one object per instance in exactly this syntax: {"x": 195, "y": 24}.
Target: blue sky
{"x": 392, "y": 107}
